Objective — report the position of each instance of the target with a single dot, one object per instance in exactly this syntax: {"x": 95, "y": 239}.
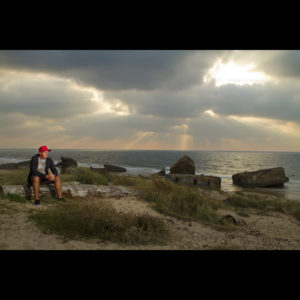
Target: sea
{"x": 216, "y": 163}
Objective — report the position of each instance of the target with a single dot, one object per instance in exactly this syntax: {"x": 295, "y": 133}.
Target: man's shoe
{"x": 61, "y": 199}
{"x": 37, "y": 202}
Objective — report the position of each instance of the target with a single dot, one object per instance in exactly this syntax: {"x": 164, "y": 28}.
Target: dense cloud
{"x": 283, "y": 64}
{"x": 154, "y": 99}
{"x": 117, "y": 69}
{"x": 275, "y": 101}
{"x": 45, "y": 96}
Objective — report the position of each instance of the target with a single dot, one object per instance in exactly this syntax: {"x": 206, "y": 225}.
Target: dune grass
{"x": 125, "y": 180}
{"x": 181, "y": 201}
{"x": 14, "y": 177}
{"x": 177, "y": 200}
{"x": 14, "y": 198}
{"x": 94, "y": 218}
{"x": 241, "y": 200}
{"x": 84, "y": 176}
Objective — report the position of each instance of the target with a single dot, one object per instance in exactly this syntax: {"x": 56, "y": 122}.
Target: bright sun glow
{"x": 210, "y": 112}
{"x": 231, "y": 73}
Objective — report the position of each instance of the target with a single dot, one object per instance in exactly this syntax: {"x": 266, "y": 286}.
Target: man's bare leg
{"x": 36, "y": 187}
{"x": 58, "y": 186}
{"x": 57, "y": 183}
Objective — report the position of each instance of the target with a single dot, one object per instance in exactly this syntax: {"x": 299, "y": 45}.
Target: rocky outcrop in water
{"x": 185, "y": 165}
{"x": 112, "y": 168}
{"x": 273, "y": 177}
{"x": 162, "y": 172}
{"x": 183, "y": 171}
{"x": 15, "y": 166}
{"x": 66, "y": 163}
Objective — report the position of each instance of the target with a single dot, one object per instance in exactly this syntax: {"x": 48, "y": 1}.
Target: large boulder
{"x": 66, "y": 163}
{"x": 185, "y": 165}
{"x": 112, "y": 168}
{"x": 262, "y": 178}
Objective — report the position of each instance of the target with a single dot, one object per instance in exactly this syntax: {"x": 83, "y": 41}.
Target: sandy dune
{"x": 272, "y": 231}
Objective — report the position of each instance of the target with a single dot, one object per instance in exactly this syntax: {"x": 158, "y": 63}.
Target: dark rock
{"x": 262, "y": 178}
{"x": 66, "y": 163}
{"x": 100, "y": 170}
{"x": 232, "y": 220}
{"x": 112, "y": 168}
{"x": 9, "y": 166}
{"x": 184, "y": 165}
{"x": 162, "y": 172}
{"x": 24, "y": 164}
{"x": 15, "y": 166}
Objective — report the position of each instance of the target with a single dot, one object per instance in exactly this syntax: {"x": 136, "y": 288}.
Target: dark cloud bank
{"x": 164, "y": 89}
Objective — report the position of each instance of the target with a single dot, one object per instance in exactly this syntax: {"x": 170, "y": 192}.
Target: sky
{"x": 240, "y": 100}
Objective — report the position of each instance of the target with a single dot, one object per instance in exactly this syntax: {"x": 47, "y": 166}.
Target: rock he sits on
{"x": 272, "y": 177}
{"x": 69, "y": 190}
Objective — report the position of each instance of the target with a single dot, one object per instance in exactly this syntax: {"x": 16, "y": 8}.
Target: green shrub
{"x": 94, "y": 218}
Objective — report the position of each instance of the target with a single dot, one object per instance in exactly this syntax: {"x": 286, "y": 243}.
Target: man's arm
{"x": 33, "y": 169}
{"x": 52, "y": 167}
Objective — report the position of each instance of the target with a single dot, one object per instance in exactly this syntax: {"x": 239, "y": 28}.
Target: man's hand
{"x": 50, "y": 177}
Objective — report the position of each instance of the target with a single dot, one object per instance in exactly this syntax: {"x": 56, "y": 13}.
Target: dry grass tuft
{"x": 94, "y": 218}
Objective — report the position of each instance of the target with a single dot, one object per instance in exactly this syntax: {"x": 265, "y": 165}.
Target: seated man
{"x": 40, "y": 167}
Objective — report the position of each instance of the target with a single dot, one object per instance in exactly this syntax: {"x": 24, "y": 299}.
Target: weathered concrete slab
{"x": 197, "y": 180}
{"x": 262, "y": 178}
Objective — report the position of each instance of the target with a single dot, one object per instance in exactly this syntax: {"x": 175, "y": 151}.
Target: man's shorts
{"x": 42, "y": 181}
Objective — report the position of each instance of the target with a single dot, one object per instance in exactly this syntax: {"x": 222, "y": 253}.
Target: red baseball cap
{"x": 43, "y": 148}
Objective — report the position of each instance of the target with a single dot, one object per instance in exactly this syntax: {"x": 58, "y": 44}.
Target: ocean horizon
{"x": 219, "y": 163}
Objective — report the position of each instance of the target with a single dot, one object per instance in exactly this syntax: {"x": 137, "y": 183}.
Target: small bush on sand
{"x": 94, "y": 218}
{"x": 84, "y": 176}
